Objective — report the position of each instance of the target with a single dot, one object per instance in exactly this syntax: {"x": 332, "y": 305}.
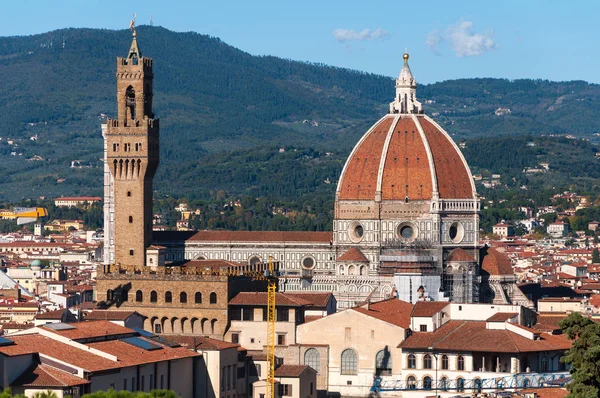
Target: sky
{"x": 554, "y": 40}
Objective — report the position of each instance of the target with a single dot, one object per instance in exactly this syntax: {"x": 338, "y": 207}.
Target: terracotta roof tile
{"x": 263, "y": 236}
{"x": 315, "y": 299}
{"x": 428, "y": 308}
{"x": 406, "y": 171}
{"x": 39, "y": 375}
{"x": 393, "y": 311}
{"x": 496, "y": 263}
{"x": 89, "y": 329}
{"x": 291, "y": 370}
{"x": 502, "y": 316}
{"x": 200, "y": 342}
{"x": 107, "y": 315}
{"x": 473, "y": 336}
{"x": 451, "y": 172}
{"x": 353, "y": 254}
{"x": 460, "y": 254}
{"x": 359, "y": 179}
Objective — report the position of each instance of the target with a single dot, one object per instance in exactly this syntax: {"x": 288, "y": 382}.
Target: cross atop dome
{"x": 406, "y": 89}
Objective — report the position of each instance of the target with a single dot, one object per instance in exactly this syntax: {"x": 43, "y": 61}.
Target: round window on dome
{"x": 308, "y": 263}
{"x": 356, "y": 232}
{"x": 407, "y": 231}
{"x": 456, "y": 232}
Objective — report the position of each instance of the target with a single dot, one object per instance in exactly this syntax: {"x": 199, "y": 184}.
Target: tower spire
{"x": 134, "y": 50}
{"x": 406, "y": 90}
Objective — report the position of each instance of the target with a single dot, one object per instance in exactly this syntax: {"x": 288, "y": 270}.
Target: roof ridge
{"x": 450, "y": 333}
{"x": 512, "y": 340}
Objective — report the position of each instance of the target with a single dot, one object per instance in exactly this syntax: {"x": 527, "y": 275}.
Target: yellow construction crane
{"x": 271, "y": 277}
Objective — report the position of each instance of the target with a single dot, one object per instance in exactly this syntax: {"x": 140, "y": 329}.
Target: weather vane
{"x": 132, "y": 25}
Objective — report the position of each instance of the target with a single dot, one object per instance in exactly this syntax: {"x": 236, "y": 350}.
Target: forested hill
{"x": 225, "y": 114}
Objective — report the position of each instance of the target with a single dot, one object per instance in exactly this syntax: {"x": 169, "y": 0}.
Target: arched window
{"x": 139, "y": 296}
{"x": 183, "y": 297}
{"x": 312, "y": 359}
{"x": 341, "y": 270}
{"x": 168, "y": 297}
{"x": 427, "y": 383}
{"x": 349, "y": 362}
{"x": 477, "y": 384}
{"x": 109, "y": 295}
{"x": 153, "y": 296}
{"x": 130, "y": 102}
{"x": 198, "y": 298}
{"x": 427, "y": 361}
{"x": 130, "y": 219}
{"x": 383, "y": 363}
{"x": 445, "y": 362}
{"x": 213, "y": 298}
{"x": 444, "y": 383}
{"x": 411, "y": 383}
{"x": 412, "y": 361}
{"x": 460, "y": 384}
{"x": 460, "y": 363}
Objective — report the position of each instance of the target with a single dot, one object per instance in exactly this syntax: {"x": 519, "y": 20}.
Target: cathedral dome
{"x": 405, "y": 156}
{"x": 496, "y": 263}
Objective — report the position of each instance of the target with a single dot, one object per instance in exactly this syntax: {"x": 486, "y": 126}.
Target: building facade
{"x": 404, "y": 202}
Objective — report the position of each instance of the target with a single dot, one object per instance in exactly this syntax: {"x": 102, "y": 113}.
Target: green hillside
{"x": 225, "y": 114}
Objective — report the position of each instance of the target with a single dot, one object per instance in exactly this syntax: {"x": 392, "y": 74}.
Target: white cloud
{"x": 463, "y": 40}
{"x": 433, "y": 40}
{"x": 345, "y": 35}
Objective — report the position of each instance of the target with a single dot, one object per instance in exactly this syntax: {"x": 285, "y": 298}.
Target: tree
{"x": 583, "y": 356}
{"x": 128, "y": 394}
{"x": 596, "y": 256}
{"x": 45, "y": 394}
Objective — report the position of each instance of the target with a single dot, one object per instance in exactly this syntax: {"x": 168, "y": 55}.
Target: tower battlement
{"x": 146, "y": 63}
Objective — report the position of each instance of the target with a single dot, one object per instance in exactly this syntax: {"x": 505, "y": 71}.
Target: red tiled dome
{"x": 405, "y": 155}
{"x": 496, "y": 263}
{"x": 459, "y": 254}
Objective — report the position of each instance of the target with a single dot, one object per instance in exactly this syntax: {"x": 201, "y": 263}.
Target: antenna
{"x": 151, "y": 22}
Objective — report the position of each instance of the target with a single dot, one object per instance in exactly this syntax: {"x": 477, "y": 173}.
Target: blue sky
{"x": 446, "y": 39}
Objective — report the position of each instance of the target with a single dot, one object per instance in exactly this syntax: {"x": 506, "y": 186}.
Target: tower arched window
{"x": 183, "y": 297}
{"x": 153, "y": 296}
{"x": 312, "y": 358}
{"x": 198, "y": 298}
{"x": 130, "y": 102}
{"x": 168, "y": 297}
{"x": 411, "y": 361}
{"x": 139, "y": 296}
{"x": 427, "y": 361}
{"x": 213, "y": 298}
{"x": 349, "y": 362}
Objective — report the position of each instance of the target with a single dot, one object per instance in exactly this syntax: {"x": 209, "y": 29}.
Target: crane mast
{"x": 271, "y": 289}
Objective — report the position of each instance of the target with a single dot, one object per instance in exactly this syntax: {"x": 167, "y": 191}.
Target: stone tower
{"x": 132, "y": 148}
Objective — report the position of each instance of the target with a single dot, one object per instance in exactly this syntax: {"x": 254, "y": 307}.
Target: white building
{"x": 558, "y": 229}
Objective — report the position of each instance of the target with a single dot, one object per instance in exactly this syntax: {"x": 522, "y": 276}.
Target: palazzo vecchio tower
{"x": 132, "y": 157}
